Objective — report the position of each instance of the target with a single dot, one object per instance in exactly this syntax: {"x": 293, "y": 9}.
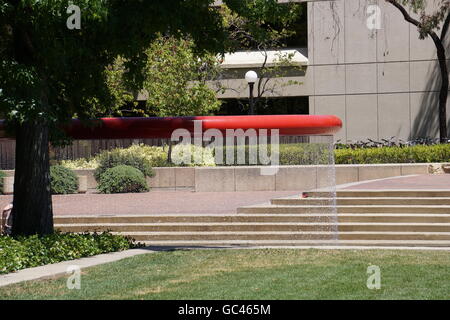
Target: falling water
{"x": 318, "y": 154}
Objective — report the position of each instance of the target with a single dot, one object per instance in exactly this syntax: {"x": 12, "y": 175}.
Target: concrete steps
{"x": 363, "y": 201}
{"x": 344, "y": 209}
{"x": 255, "y": 218}
{"x": 258, "y": 227}
{"x": 380, "y": 193}
{"x": 361, "y": 218}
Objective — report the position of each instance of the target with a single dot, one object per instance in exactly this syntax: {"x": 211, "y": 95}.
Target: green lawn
{"x": 254, "y": 274}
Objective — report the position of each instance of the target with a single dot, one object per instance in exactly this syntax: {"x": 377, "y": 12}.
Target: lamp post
{"x": 251, "y": 77}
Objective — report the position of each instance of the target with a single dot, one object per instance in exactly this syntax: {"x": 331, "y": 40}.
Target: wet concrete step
{"x": 259, "y": 218}
{"x": 381, "y": 193}
{"x": 259, "y": 209}
{"x": 257, "y": 227}
{"x": 197, "y": 218}
{"x": 363, "y": 201}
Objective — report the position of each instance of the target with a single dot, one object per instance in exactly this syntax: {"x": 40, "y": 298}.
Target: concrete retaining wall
{"x": 242, "y": 178}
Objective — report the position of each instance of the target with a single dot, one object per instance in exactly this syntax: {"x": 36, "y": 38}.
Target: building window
{"x": 266, "y": 106}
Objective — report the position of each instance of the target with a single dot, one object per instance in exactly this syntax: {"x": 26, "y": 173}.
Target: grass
{"x": 254, "y": 274}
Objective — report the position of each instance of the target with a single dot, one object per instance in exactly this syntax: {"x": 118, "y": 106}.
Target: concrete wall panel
{"x": 360, "y": 41}
{"x": 214, "y": 180}
{"x": 393, "y": 37}
{"x": 393, "y": 77}
{"x": 424, "y": 114}
{"x": 329, "y": 79}
{"x": 362, "y": 122}
{"x": 250, "y": 179}
{"x": 393, "y": 116}
{"x": 361, "y": 78}
{"x": 329, "y": 32}
{"x": 296, "y": 178}
{"x": 425, "y": 76}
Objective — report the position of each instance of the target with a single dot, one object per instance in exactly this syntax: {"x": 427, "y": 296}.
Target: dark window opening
{"x": 266, "y": 106}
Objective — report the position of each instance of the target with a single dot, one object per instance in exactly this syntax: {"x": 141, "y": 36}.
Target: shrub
{"x": 196, "y": 156}
{"x": 32, "y": 251}
{"x": 156, "y": 156}
{"x": 122, "y": 179}
{"x": 289, "y": 154}
{"x": 305, "y": 154}
{"x": 82, "y": 163}
{"x": 117, "y": 157}
{"x": 2, "y": 175}
{"x": 63, "y": 180}
{"x": 414, "y": 154}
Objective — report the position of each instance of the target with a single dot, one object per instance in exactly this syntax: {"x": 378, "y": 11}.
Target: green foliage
{"x": 121, "y": 95}
{"x": 27, "y": 252}
{"x": 414, "y": 154}
{"x": 2, "y": 175}
{"x": 63, "y": 180}
{"x": 196, "y": 156}
{"x": 317, "y": 153}
{"x": 406, "y": 275}
{"x": 156, "y": 156}
{"x": 122, "y": 179}
{"x": 82, "y": 163}
{"x": 259, "y": 24}
{"x": 129, "y": 157}
{"x": 289, "y": 154}
{"x": 428, "y": 21}
{"x": 176, "y": 79}
{"x": 49, "y": 73}
{"x": 300, "y": 154}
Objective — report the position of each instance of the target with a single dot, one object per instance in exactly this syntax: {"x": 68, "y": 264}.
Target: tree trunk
{"x": 443, "y": 94}
{"x": 32, "y": 207}
{"x": 169, "y": 152}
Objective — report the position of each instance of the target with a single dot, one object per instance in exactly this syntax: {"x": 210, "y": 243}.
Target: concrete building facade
{"x": 367, "y": 65}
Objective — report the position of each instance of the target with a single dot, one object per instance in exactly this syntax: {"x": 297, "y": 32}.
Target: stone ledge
{"x": 249, "y": 178}
{"x": 8, "y": 184}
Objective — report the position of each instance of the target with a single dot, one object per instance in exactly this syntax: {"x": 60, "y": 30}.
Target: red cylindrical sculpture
{"x": 135, "y": 128}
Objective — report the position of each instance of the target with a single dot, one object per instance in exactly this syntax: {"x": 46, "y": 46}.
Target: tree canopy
{"x": 50, "y": 73}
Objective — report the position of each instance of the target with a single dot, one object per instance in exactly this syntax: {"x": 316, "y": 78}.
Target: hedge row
{"x": 304, "y": 154}
{"x": 319, "y": 153}
{"x": 289, "y": 154}
{"x": 27, "y": 252}
{"x": 414, "y": 154}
